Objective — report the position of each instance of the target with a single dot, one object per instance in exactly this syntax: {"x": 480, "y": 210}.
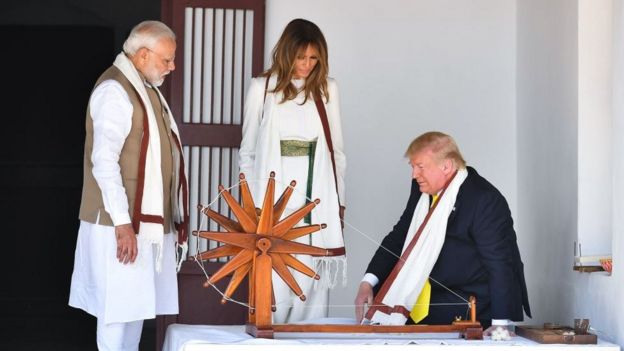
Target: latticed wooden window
{"x": 220, "y": 48}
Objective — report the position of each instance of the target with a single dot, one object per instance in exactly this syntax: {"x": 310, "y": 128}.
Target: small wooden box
{"x": 554, "y": 336}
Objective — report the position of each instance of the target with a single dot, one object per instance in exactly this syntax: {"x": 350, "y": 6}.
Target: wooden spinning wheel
{"x": 260, "y": 242}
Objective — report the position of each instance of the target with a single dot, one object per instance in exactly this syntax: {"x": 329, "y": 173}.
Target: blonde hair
{"x": 297, "y": 36}
{"x": 442, "y": 145}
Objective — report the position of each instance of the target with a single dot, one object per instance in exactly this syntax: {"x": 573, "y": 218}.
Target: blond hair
{"x": 442, "y": 145}
{"x": 297, "y": 36}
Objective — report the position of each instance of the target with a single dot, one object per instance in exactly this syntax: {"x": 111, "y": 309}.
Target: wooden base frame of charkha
{"x": 259, "y": 242}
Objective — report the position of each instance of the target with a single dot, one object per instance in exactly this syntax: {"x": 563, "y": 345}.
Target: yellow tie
{"x": 433, "y": 200}
{"x": 420, "y": 310}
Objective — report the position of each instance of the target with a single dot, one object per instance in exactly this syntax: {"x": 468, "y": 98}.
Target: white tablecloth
{"x": 182, "y": 337}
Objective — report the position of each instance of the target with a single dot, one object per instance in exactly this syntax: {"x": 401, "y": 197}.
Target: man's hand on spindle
{"x": 364, "y": 297}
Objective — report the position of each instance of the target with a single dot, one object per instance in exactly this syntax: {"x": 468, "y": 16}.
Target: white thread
{"x": 401, "y": 259}
{"x": 451, "y": 291}
{"x": 375, "y": 305}
{"x": 329, "y": 282}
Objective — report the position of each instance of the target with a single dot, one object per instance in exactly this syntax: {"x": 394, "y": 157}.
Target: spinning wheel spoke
{"x": 299, "y": 266}
{"x": 246, "y": 241}
{"x": 297, "y": 232}
{"x": 247, "y": 199}
{"x": 282, "y": 227}
{"x": 280, "y": 205}
{"x": 248, "y": 224}
{"x": 265, "y": 223}
{"x": 290, "y": 247}
{"x": 280, "y": 267}
{"x": 235, "y": 263}
{"x": 273, "y": 308}
{"x": 228, "y": 224}
{"x": 237, "y": 278}
{"x": 221, "y": 251}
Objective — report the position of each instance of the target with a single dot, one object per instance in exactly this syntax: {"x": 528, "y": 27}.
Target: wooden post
{"x": 263, "y": 285}
{"x": 262, "y": 325}
{"x": 473, "y": 309}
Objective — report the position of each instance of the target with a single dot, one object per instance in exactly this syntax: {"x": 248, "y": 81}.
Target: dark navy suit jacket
{"x": 479, "y": 257}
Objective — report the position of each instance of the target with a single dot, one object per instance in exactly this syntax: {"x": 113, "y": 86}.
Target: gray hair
{"x": 145, "y": 35}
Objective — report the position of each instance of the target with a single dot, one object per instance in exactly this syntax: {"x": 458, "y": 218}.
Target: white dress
{"x": 266, "y": 124}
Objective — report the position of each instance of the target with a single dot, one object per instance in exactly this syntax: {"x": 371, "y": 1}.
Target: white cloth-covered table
{"x": 182, "y": 337}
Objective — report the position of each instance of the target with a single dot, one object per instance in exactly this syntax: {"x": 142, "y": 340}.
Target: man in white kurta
{"x": 134, "y": 194}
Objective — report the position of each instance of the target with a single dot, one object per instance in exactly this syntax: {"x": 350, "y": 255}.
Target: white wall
{"x": 403, "y": 68}
{"x": 547, "y": 144}
{"x": 500, "y": 76}
{"x": 609, "y": 289}
{"x": 595, "y": 116}
{"x": 548, "y": 183}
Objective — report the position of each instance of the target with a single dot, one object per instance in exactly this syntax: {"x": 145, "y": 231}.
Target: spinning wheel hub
{"x": 264, "y": 245}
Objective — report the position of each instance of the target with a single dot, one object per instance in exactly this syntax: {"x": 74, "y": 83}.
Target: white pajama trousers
{"x": 121, "y": 295}
{"x": 119, "y": 336}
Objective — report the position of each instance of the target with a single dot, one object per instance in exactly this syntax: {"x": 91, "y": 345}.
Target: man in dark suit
{"x": 479, "y": 255}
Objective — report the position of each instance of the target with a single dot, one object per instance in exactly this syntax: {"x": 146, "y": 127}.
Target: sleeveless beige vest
{"x": 92, "y": 206}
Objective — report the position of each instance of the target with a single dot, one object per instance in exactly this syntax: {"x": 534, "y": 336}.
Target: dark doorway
{"x": 48, "y": 74}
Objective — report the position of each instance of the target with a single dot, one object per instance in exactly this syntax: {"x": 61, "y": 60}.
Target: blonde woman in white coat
{"x": 292, "y": 127}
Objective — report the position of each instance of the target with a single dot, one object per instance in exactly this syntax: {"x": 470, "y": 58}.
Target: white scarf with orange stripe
{"x": 418, "y": 264}
{"x": 152, "y": 201}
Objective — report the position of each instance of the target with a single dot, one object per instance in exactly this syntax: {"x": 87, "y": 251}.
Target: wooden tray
{"x": 554, "y": 336}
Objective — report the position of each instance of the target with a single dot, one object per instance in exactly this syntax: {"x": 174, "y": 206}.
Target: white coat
{"x": 266, "y": 123}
